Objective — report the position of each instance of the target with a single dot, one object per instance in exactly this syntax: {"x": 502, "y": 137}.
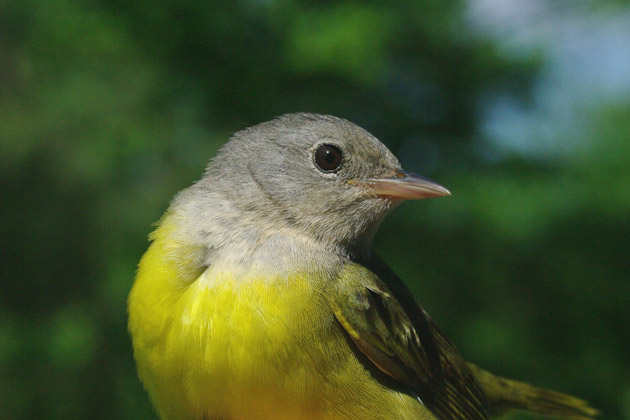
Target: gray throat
{"x": 261, "y": 232}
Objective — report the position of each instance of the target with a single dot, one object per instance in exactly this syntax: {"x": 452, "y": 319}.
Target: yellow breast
{"x": 242, "y": 344}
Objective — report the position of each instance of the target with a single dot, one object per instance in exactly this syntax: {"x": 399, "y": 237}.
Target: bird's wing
{"x": 386, "y": 324}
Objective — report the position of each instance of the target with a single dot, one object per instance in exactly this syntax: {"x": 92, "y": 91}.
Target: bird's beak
{"x": 402, "y": 186}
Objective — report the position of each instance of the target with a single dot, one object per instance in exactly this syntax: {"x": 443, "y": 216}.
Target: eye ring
{"x": 328, "y": 158}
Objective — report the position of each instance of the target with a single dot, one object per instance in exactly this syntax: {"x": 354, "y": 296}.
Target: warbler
{"x": 259, "y": 297}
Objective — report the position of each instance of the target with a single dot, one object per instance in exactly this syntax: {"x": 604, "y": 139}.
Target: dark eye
{"x": 328, "y": 158}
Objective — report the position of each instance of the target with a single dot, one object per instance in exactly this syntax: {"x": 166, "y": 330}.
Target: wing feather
{"x": 387, "y": 325}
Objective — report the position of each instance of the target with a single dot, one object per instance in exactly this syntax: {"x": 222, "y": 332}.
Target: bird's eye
{"x": 328, "y": 158}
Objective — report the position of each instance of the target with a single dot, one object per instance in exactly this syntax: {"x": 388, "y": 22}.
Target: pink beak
{"x": 403, "y": 186}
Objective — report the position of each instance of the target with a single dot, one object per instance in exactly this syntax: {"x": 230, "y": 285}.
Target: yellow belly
{"x": 246, "y": 346}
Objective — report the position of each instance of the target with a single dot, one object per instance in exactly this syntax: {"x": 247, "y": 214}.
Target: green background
{"x": 108, "y": 108}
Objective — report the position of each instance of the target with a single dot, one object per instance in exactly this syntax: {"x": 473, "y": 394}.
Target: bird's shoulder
{"x": 385, "y": 322}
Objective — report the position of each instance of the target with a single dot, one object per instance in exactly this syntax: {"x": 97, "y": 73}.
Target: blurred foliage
{"x": 108, "y": 108}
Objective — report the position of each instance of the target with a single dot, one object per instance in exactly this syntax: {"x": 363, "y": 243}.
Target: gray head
{"x": 319, "y": 176}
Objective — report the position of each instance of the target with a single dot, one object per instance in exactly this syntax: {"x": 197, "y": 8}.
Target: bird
{"x": 260, "y": 297}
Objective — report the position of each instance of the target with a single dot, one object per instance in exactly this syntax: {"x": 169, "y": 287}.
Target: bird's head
{"x": 317, "y": 175}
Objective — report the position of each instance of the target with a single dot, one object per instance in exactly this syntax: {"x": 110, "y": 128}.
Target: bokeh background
{"x": 521, "y": 108}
